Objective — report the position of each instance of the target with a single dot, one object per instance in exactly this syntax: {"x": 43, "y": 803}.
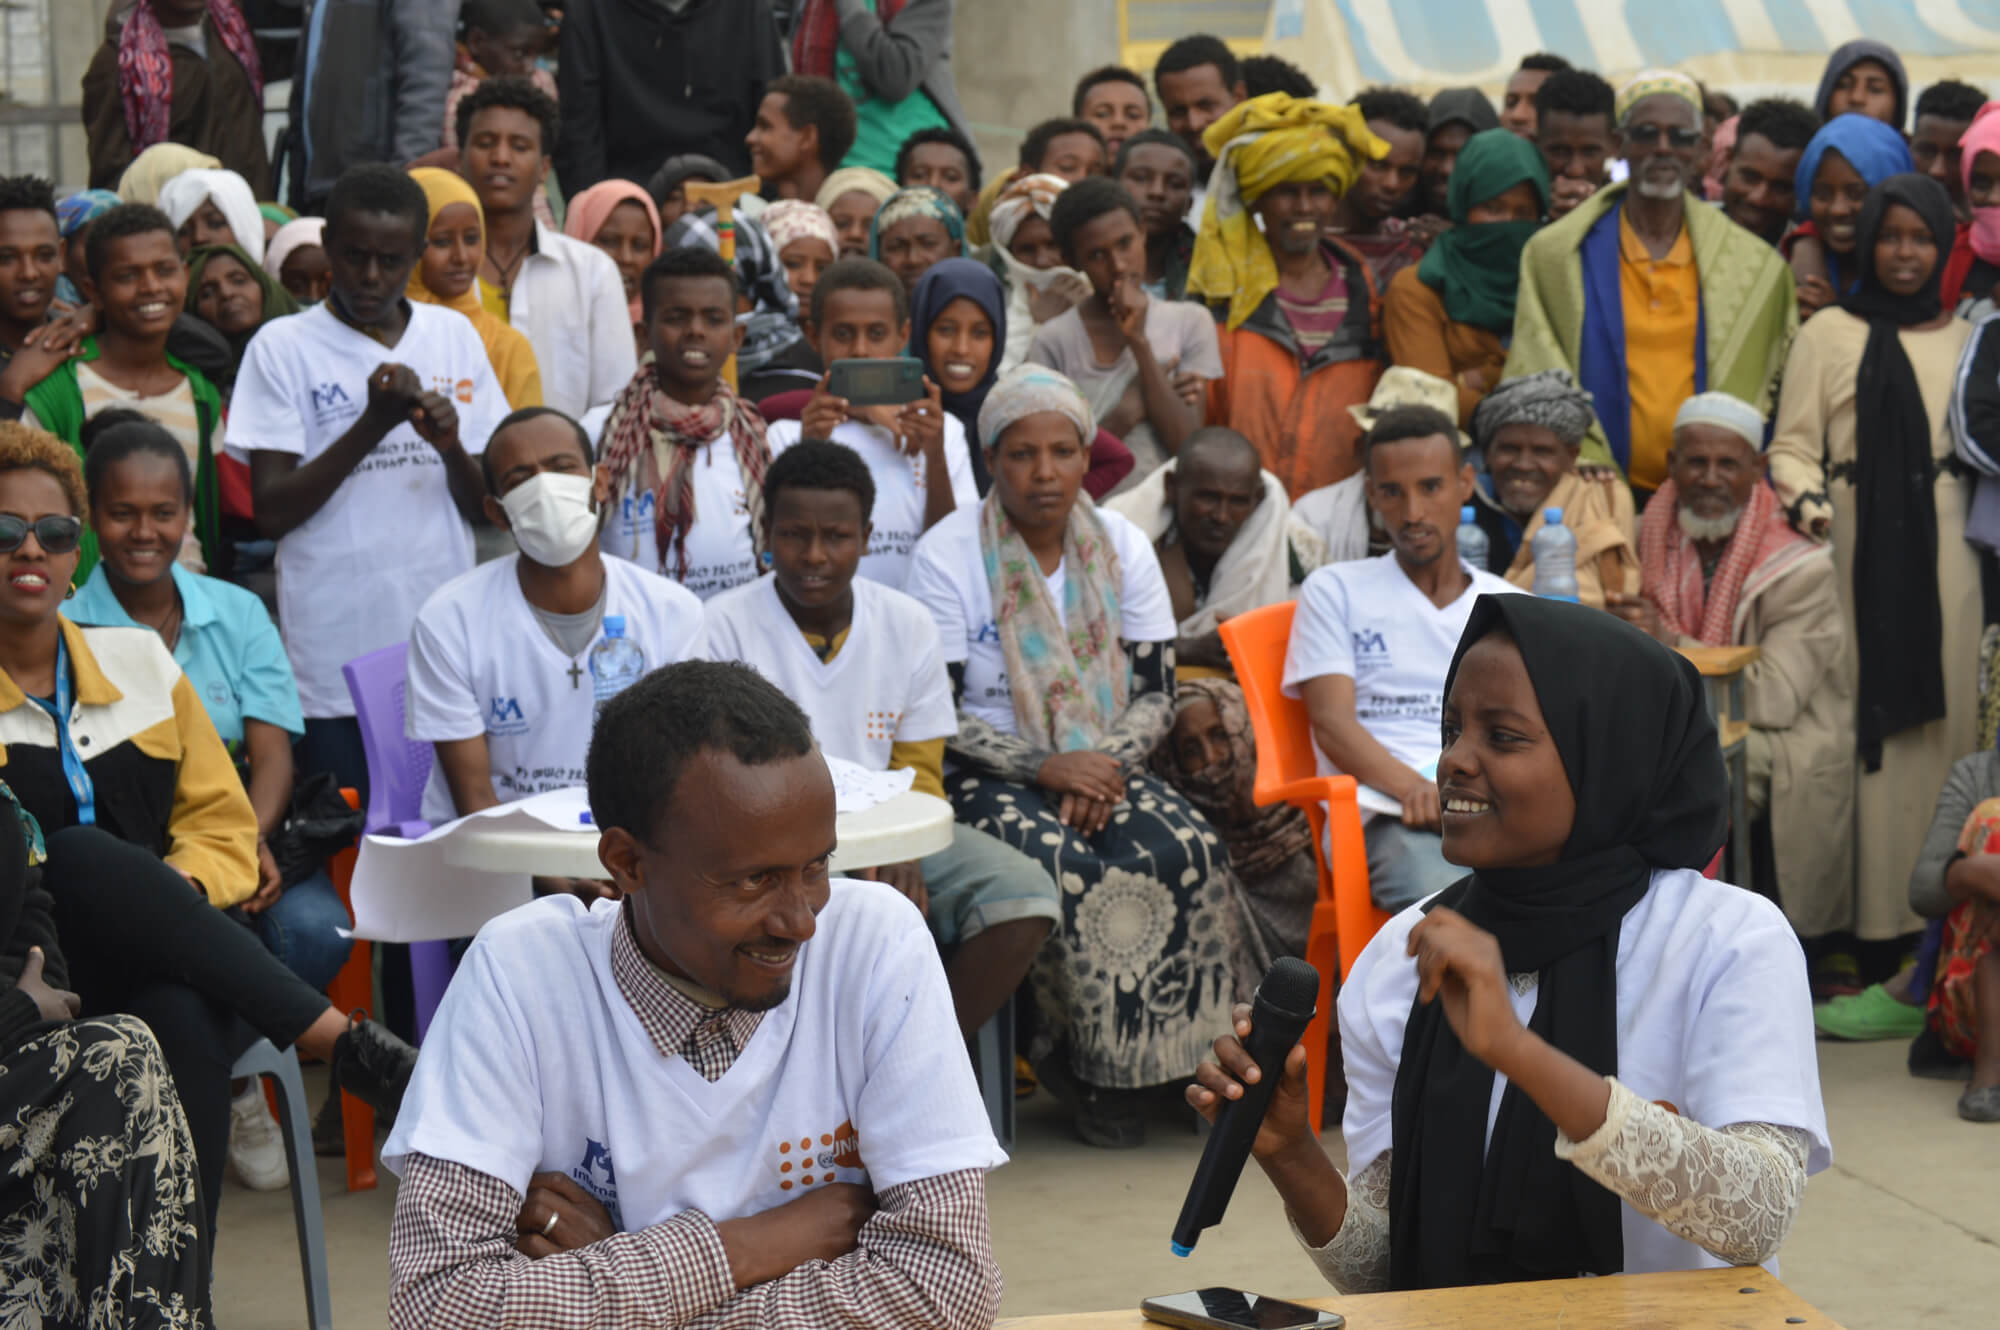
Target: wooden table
{"x": 1722, "y": 679}
{"x": 1739, "y": 1299}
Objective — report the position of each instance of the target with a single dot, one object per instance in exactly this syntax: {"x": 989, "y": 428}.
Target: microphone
{"x": 1279, "y": 1014}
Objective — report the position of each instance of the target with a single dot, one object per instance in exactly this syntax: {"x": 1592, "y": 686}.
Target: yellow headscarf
{"x": 152, "y": 169}
{"x": 1273, "y": 140}
{"x": 507, "y": 350}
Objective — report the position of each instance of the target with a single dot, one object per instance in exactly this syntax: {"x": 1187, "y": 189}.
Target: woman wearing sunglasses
{"x": 148, "y": 831}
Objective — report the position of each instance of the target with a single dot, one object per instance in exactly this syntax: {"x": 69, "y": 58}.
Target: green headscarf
{"x": 1477, "y": 268}
{"x": 277, "y": 300}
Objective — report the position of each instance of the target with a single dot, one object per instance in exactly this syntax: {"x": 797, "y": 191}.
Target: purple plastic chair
{"x": 398, "y": 768}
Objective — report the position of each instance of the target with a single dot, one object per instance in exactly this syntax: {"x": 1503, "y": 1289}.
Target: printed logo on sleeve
{"x": 504, "y": 716}
{"x": 1371, "y": 650}
{"x": 809, "y": 1160}
{"x": 596, "y": 1176}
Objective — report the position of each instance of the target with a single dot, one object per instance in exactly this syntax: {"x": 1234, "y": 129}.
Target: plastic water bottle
{"x": 1555, "y": 558}
{"x": 1471, "y": 540}
{"x": 616, "y": 662}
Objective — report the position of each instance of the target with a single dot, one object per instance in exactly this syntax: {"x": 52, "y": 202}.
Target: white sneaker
{"x": 256, "y": 1151}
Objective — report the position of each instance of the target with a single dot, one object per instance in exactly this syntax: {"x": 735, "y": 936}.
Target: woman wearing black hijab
{"x": 1859, "y": 457}
{"x": 1598, "y": 1060}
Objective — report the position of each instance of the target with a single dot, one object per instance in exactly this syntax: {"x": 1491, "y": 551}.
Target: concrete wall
{"x": 1017, "y": 61}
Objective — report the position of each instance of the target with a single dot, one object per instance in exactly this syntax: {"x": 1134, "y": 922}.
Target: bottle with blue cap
{"x": 1472, "y": 546}
{"x": 1555, "y": 558}
{"x": 616, "y": 663}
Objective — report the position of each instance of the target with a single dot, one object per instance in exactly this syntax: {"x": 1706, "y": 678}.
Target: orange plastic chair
{"x": 1344, "y": 917}
{"x": 354, "y": 988}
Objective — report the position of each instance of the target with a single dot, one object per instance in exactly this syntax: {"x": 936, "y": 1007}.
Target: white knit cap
{"x": 1724, "y": 412}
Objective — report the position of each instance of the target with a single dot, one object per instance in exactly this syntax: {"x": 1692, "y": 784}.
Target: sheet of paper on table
{"x": 406, "y": 891}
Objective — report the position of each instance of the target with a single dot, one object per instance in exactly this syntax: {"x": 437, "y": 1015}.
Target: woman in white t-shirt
{"x": 1059, "y": 633}
{"x": 1599, "y": 1061}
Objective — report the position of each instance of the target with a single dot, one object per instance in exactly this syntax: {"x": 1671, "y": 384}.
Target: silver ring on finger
{"x": 550, "y": 1227}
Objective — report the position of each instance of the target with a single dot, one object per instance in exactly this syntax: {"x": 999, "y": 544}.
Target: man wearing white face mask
{"x": 509, "y": 662}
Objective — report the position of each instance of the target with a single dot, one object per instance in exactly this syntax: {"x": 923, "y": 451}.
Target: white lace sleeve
{"x": 1356, "y": 1259}
{"x": 1733, "y": 1191}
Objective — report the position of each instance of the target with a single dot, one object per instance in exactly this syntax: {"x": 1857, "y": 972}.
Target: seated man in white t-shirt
{"x": 737, "y": 1095}
{"x": 1373, "y": 641}
{"x": 860, "y": 311}
{"x": 681, "y": 457}
{"x": 865, "y": 663}
{"x": 1143, "y": 364}
{"x": 510, "y": 663}
{"x": 362, "y": 419}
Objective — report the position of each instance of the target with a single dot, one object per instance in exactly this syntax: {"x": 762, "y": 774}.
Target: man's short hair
{"x": 1949, "y": 99}
{"x": 1270, "y": 73}
{"x": 648, "y": 734}
{"x": 858, "y": 273}
{"x": 515, "y": 93}
{"x": 373, "y": 187}
{"x": 1783, "y": 121}
{"x": 1717, "y": 103}
{"x": 1410, "y": 421}
{"x": 819, "y": 464}
{"x": 1083, "y": 203}
{"x": 1036, "y": 146}
{"x": 824, "y": 105}
{"x": 1577, "y": 92}
{"x": 1107, "y": 74}
{"x": 520, "y": 417}
{"x": 131, "y": 219}
{"x": 1401, "y": 108}
{"x": 28, "y": 193}
{"x": 1193, "y": 51}
{"x": 948, "y": 136}
{"x": 1546, "y": 61}
{"x": 1221, "y": 439}
{"x": 686, "y": 261}
{"x": 1165, "y": 138}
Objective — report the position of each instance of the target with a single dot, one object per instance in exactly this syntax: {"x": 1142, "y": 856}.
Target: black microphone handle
{"x": 1273, "y": 1032}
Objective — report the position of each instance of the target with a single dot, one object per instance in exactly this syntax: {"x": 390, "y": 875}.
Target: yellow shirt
{"x": 1662, "y": 312}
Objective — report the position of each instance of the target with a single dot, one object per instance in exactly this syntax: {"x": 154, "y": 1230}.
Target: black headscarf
{"x": 1850, "y": 54}
{"x": 1897, "y": 620}
{"x": 1627, "y": 716}
{"x": 1461, "y": 106}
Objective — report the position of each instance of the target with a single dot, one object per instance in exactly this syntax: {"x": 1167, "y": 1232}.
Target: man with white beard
{"x": 1721, "y": 567}
{"x": 1647, "y": 295}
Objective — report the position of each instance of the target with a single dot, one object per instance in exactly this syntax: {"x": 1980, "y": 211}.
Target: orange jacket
{"x": 1296, "y": 413}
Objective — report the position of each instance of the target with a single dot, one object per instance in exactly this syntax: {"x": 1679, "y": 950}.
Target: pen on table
{"x": 584, "y": 817}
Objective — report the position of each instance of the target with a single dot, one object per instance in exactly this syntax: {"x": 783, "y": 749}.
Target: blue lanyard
{"x": 74, "y": 772}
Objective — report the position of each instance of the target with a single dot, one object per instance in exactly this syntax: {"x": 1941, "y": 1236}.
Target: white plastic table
{"x": 909, "y": 826}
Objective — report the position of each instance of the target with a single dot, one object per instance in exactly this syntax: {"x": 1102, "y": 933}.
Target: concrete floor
{"x": 1903, "y": 1231}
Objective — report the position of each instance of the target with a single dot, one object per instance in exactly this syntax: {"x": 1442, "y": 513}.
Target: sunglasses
{"x": 56, "y": 534}
{"x": 1675, "y": 137}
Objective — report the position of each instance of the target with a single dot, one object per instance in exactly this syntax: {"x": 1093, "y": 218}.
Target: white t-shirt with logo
{"x": 900, "y": 488}
{"x": 886, "y": 685}
{"x": 352, "y": 576}
{"x": 481, "y": 663}
{"x": 1367, "y": 620}
{"x": 948, "y": 574}
{"x": 720, "y": 554}
{"x": 537, "y": 1062}
{"x": 1714, "y": 1018}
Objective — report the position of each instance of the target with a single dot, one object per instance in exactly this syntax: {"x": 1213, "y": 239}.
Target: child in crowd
{"x": 32, "y": 260}
{"x": 213, "y": 208}
{"x": 682, "y": 456}
{"x": 807, "y": 244}
{"x": 502, "y": 39}
{"x": 1157, "y": 170}
{"x": 916, "y": 452}
{"x": 804, "y": 127}
{"x": 295, "y": 256}
{"x": 941, "y": 158}
{"x": 864, "y": 662}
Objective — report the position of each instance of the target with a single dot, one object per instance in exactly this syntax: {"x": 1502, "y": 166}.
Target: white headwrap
{"x": 299, "y": 233}
{"x": 182, "y": 196}
{"x": 1721, "y": 410}
{"x": 1029, "y": 390}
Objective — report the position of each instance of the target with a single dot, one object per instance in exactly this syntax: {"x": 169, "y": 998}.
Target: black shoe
{"x": 329, "y": 1128}
{"x": 1930, "y": 1059}
{"x": 373, "y": 1065}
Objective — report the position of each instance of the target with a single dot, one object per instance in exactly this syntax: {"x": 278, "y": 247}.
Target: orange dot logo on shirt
{"x": 464, "y": 390}
{"x": 836, "y": 1149}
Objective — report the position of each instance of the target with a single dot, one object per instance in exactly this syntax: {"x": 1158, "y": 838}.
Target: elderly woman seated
{"x": 1058, "y": 632}
{"x": 1529, "y": 431}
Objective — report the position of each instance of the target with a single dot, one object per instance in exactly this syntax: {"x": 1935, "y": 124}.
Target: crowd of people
{"x": 527, "y": 377}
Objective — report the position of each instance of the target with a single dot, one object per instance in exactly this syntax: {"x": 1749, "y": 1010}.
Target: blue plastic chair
{"x": 398, "y": 769}
{"x": 262, "y": 1059}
